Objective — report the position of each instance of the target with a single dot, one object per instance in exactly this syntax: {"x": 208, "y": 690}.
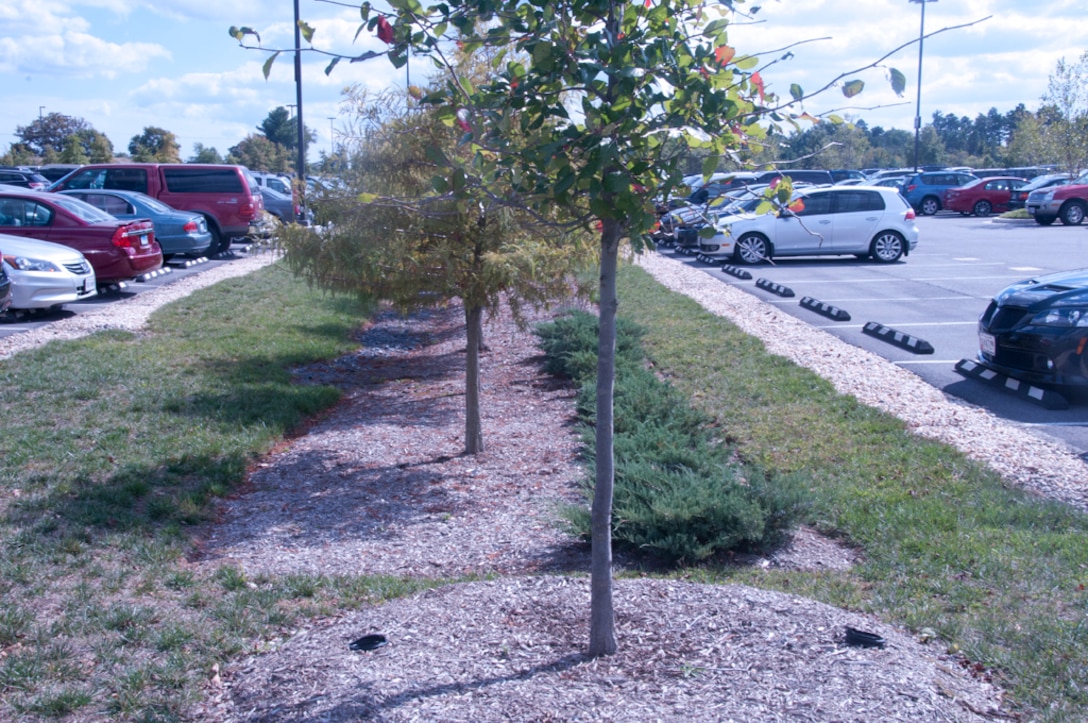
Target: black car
{"x": 1020, "y": 196}
{"x": 12, "y": 176}
{"x": 1037, "y": 330}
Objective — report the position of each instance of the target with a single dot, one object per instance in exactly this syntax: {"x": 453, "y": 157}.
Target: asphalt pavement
{"x": 922, "y": 312}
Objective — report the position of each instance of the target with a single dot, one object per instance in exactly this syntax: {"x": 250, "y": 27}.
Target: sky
{"x": 123, "y": 65}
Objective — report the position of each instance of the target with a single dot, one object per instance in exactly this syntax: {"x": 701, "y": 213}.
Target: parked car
{"x": 1036, "y": 330}
{"x": 1019, "y": 197}
{"x": 984, "y": 196}
{"x": 1068, "y": 202}
{"x": 225, "y": 195}
{"x": 274, "y": 181}
{"x": 5, "y": 290}
{"x": 45, "y": 275}
{"x": 182, "y": 233}
{"x": 926, "y": 191}
{"x": 838, "y": 175}
{"x": 117, "y": 250}
{"x": 797, "y": 175}
{"x": 863, "y": 221}
{"x": 280, "y": 205}
{"x": 55, "y": 171}
{"x": 22, "y": 177}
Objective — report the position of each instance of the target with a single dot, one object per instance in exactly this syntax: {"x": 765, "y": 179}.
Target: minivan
{"x": 227, "y": 196}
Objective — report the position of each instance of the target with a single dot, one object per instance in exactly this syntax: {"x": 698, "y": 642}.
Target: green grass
{"x": 114, "y": 447}
{"x": 947, "y": 544}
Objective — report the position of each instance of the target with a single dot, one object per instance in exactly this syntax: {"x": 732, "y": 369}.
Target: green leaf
{"x": 836, "y": 119}
{"x": 746, "y": 62}
{"x": 795, "y": 91}
{"x": 853, "y": 88}
{"x": 899, "y": 81}
{"x": 239, "y": 34}
{"x": 267, "y": 68}
{"x": 435, "y": 155}
{"x": 439, "y": 184}
{"x": 367, "y": 197}
{"x": 710, "y": 164}
{"x": 307, "y": 31}
{"x": 331, "y": 65}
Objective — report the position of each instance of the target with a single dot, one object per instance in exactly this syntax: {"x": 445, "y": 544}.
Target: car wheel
{"x": 1072, "y": 213}
{"x": 887, "y": 247}
{"x": 983, "y": 208}
{"x": 752, "y": 249}
{"x": 930, "y": 206}
{"x": 1045, "y": 220}
{"x": 216, "y": 246}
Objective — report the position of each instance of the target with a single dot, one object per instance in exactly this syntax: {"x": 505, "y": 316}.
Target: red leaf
{"x": 723, "y": 54}
{"x": 757, "y": 81}
{"x": 385, "y": 31}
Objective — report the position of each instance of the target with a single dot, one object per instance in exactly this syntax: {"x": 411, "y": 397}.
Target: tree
{"x": 50, "y": 131}
{"x": 279, "y": 127}
{"x": 205, "y": 154}
{"x": 418, "y": 247}
{"x": 1068, "y": 94}
{"x": 260, "y": 154}
{"x": 73, "y": 151}
{"x": 97, "y": 146}
{"x": 155, "y": 145}
{"x": 586, "y": 94}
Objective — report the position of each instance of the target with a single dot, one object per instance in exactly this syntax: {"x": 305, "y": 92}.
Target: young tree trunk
{"x": 602, "y": 626}
{"x": 474, "y": 438}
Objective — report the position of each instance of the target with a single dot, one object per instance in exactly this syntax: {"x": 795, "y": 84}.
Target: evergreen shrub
{"x": 679, "y": 494}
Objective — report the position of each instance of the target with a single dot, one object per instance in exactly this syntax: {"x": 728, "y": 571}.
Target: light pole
{"x": 918, "y": 105}
{"x": 300, "y": 171}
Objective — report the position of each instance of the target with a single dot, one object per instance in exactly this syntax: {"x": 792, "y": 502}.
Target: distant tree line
{"x": 59, "y": 138}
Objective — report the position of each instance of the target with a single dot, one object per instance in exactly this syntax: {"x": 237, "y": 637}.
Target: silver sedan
{"x": 45, "y": 275}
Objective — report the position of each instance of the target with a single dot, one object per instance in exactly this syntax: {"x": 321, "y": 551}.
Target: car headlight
{"x": 1069, "y": 317}
{"x": 24, "y": 263}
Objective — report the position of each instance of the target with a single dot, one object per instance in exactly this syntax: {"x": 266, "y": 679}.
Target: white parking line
{"x": 950, "y": 362}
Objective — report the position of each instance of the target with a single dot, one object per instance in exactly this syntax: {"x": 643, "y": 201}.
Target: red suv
{"x": 227, "y": 196}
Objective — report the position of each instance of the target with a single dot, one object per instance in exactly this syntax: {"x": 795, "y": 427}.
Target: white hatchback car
{"x": 861, "y": 221}
{"x": 45, "y": 275}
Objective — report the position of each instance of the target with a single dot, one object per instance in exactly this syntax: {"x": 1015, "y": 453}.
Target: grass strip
{"x": 114, "y": 447}
{"x": 949, "y": 548}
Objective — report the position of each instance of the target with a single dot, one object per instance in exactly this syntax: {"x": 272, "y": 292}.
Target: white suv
{"x": 862, "y": 221}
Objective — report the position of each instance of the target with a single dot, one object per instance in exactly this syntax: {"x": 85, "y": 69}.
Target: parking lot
{"x": 934, "y": 296}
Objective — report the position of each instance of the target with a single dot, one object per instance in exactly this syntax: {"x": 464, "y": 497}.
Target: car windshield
{"x": 81, "y": 209}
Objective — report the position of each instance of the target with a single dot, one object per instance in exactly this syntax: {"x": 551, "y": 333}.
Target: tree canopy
{"x": 155, "y": 145}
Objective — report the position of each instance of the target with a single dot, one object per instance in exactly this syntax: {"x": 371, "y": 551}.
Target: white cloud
{"x": 75, "y": 54}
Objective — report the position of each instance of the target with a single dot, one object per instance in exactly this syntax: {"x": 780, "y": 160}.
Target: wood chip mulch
{"x": 379, "y": 487}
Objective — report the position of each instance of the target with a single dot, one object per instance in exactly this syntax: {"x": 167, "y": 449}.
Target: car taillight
{"x": 38, "y": 185}
{"x": 129, "y": 235}
{"x": 190, "y": 227}
{"x": 248, "y": 211}
{"x": 911, "y": 187}
{"x": 910, "y": 215}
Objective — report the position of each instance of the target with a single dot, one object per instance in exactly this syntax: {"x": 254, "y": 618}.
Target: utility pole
{"x": 918, "y": 105}
{"x": 300, "y": 170}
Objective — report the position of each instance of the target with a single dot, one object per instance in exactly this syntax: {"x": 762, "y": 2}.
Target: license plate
{"x": 143, "y": 240}
{"x": 987, "y": 343}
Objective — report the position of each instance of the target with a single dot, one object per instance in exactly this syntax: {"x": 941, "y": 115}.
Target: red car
{"x": 117, "y": 250}
{"x": 984, "y": 196}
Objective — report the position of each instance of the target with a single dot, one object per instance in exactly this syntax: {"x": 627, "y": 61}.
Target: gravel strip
{"x": 130, "y": 314}
{"x": 1039, "y": 464}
